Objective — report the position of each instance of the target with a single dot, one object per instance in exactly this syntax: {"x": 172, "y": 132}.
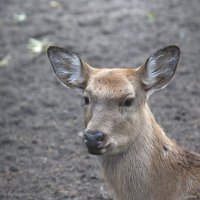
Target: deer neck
{"x": 132, "y": 173}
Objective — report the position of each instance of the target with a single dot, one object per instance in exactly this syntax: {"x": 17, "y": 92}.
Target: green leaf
{"x": 20, "y": 17}
{"x": 151, "y": 16}
{"x": 38, "y": 46}
{"x": 4, "y": 62}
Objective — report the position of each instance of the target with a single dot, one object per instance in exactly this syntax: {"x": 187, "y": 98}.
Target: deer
{"x": 139, "y": 161}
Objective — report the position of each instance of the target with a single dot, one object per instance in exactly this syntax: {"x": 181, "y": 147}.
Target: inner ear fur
{"x": 159, "y": 68}
{"x": 70, "y": 69}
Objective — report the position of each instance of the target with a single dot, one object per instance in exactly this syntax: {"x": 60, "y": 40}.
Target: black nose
{"x": 93, "y": 139}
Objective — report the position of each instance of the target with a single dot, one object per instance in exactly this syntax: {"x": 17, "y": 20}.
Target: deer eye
{"x": 128, "y": 102}
{"x": 86, "y": 100}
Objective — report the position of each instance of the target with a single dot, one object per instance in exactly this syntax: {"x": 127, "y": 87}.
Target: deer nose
{"x": 93, "y": 139}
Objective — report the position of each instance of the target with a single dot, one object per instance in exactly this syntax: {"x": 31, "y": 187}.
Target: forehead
{"x": 112, "y": 83}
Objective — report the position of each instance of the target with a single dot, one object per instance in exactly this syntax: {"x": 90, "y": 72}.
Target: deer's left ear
{"x": 68, "y": 67}
{"x": 159, "y": 68}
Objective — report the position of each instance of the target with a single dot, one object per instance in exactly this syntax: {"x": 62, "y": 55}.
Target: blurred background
{"x": 42, "y": 157}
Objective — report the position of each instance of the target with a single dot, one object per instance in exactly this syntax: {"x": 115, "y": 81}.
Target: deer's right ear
{"x": 159, "y": 68}
{"x": 69, "y": 68}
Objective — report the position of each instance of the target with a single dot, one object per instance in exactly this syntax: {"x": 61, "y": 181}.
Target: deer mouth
{"x": 95, "y": 151}
{"x": 99, "y": 151}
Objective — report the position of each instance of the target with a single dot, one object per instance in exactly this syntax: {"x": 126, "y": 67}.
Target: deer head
{"x": 115, "y": 99}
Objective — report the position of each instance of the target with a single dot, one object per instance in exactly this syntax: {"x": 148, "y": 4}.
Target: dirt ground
{"x": 42, "y": 157}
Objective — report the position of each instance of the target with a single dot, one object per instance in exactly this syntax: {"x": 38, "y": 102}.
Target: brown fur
{"x": 139, "y": 161}
{"x": 171, "y": 172}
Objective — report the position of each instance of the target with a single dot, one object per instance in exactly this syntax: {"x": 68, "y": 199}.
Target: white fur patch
{"x": 152, "y": 71}
{"x": 67, "y": 67}
{"x": 74, "y": 68}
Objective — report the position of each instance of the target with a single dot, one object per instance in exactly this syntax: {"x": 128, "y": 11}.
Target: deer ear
{"x": 69, "y": 68}
{"x": 159, "y": 68}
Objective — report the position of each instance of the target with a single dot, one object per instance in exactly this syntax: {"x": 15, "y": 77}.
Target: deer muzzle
{"x": 94, "y": 141}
